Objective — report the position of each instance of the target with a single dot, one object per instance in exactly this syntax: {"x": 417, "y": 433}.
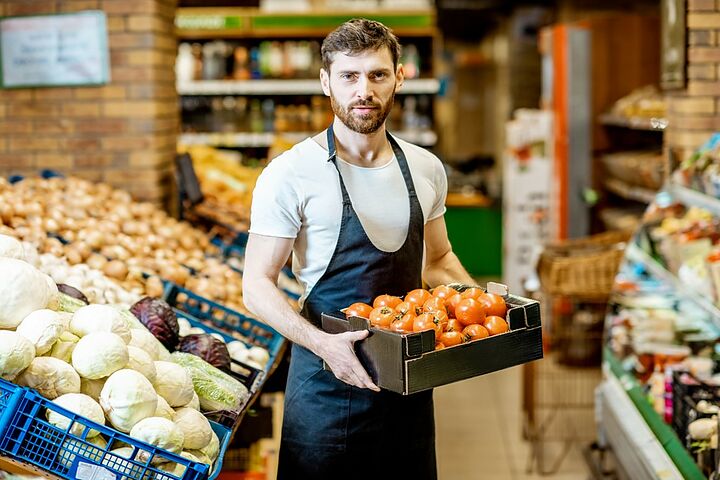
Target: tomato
{"x": 426, "y": 321}
{"x": 494, "y": 304}
{"x": 443, "y": 291}
{"x": 407, "y": 307}
{"x": 418, "y": 296}
{"x": 495, "y": 325}
{"x": 470, "y": 311}
{"x": 450, "y": 339}
{"x": 475, "y": 332}
{"x": 454, "y": 325}
{"x": 386, "y": 300}
{"x": 358, "y": 309}
{"x": 382, "y": 316}
{"x": 403, "y": 324}
{"x": 472, "y": 292}
{"x": 452, "y": 302}
{"x": 439, "y": 346}
{"x": 433, "y": 304}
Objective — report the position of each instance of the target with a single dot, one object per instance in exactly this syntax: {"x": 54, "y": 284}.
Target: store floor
{"x": 479, "y": 426}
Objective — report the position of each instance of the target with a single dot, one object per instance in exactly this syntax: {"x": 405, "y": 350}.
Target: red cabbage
{"x": 206, "y": 347}
{"x": 72, "y": 292}
{"x": 160, "y": 319}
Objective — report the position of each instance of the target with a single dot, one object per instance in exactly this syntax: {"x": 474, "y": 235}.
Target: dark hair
{"x": 356, "y": 36}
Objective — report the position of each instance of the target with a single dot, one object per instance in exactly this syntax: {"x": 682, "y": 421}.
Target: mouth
{"x": 364, "y": 110}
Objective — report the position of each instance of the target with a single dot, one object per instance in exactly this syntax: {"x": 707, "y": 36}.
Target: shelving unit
{"x": 268, "y": 87}
{"x": 630, "y": 192}
{"x": 637, "y": 123}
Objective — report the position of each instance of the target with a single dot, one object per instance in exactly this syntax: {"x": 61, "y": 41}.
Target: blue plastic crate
{"x": 45, "y": 173}
{"x": 10, "y": 397}
{"x": 32, "y": 439}
{"x": 235, "y": 324}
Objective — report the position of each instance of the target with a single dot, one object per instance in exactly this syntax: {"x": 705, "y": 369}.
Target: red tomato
{"x": 452, "y": 302}
{"x": 418, "y": 296}
{"x": 495, "y": 325}
{"x": 475, "y": 332}
{"x": 472, "y": 292}
{"x": 443, "y": 291}
{"x": 450, "y": 339}
{"x": 470, "y": 311}
{"x": 386, "y": 300}
{"x": 434, "y": 304}
{"x": 407, "y": 307}
{"x": 403, "y": 324}
{"x": 426, "y": 321}
{"x": 358, "y": 310}
{"x": 382, "y": 316}
{"x": 494, "y": 304}
{"x": 454, "y": 325}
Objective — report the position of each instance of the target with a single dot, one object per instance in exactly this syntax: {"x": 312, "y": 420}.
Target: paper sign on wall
{"x": 53, "y": 50}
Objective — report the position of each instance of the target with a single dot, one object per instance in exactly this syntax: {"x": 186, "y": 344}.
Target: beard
{"x": 362, "y": 123}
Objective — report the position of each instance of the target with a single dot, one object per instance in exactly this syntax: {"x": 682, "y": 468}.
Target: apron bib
{"x": 332, "y": 430}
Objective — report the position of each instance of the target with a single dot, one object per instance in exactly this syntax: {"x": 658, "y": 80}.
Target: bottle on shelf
{"x": 185, "y": 63}
{"x": 410, "y": 61}
{"x": 241, "y": 66}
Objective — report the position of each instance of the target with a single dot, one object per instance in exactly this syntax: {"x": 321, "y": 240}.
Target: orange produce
{"x": 439, "y": 346}
{"x": 450, "y": 339}
{"x": 434, "y": 304}
{"x": 382, "y": 316}
{"x": 443, "y": 291}
{"x": 358, "y": 309}
{"x": 418, "y": 296}
{"x": 406, "y": 307}
{"x": 475, "y": 332}
{"x": 494, "y": 304}
{"x": 454, "y": 325}
{"x": 403, "y": 324}
{"x": 495, "y": 325}
{"x": 472, "y": 292}
{"x": 452, "y": 302}
{"x": 470, "y": 311}
{"x": 427, "y": 321}
{"x": 386, "y": 300}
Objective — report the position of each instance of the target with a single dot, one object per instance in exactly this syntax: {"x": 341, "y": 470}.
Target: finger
{"x": 358, "y": 335}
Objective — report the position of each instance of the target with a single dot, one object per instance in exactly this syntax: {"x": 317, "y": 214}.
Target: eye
{"x": 379, "y": 75}
{"x": 347, "y": 76}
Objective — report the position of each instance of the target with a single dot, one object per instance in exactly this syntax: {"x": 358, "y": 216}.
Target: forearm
{"x": 269, "y": 304}
{"x": 446, "y": 269}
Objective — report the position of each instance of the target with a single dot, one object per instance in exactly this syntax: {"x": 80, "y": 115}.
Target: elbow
{"x": 249, "y": 289}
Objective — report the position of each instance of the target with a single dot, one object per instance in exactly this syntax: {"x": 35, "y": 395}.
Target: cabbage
{"x": 141, "y": 362}
{"x": 195, "y": 428}
{"x": 11, "y": 247}
{"x": 206, "y": 347}
{"x": 160, "y": 432}
{"x": 43, "y": 328}
{"x": 212, "y": 450}
{"x": 194, "y": 403}
{"x": 99, "y": 354}
{"x": 159, "y": 318}
{"x": 173, "y": 383}
{"x": 146, "y": 342}
{"x": 50, "y": 377}
{"x": 178, "y": 469}
{"x": 127, "y": 397}
{"x": 23, "y": 289}
{"x": 80, "y": 404}
{"x": 216, "y": 389}
{"x": 72, "y": 292}
{"x": 64, "y": 347}
{"x": 99, "y": 318}
{"x": 202, "y": 458}
{"x": 68, "y": 304}
{"x": 16, "y": 353}
{"x": 92, "y": 388}
{"x": 163, "y": 409}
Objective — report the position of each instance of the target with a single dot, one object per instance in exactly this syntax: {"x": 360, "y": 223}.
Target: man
{"x": 359, "y": 209}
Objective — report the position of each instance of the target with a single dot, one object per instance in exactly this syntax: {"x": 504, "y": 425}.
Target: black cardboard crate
{"x": 408, "y": 363}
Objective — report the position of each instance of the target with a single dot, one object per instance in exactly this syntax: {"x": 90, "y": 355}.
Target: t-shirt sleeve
{"x": 441, "y": 186}
{"x": 275, "y": 210}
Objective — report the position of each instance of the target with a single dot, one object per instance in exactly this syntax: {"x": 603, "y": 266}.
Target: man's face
{"x": 362, "y": 88}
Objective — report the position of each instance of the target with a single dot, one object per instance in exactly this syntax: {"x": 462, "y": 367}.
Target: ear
{"x": 325, "y": 82}
{"x": 399, "y": 76}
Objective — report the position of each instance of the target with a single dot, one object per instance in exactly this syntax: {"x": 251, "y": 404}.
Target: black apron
{"x": 332, "y": 430}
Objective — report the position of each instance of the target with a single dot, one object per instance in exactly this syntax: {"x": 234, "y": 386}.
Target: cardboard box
{"x": 408, "y": 363}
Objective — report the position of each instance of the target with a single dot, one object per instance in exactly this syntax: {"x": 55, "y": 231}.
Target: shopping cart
{"x": 576, "y": 278}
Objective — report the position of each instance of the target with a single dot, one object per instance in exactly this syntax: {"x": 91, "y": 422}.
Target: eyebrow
{"x": 377, "y": 70}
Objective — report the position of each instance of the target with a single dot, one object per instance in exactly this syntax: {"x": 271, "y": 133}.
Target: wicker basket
{"x": 584, "y": 267}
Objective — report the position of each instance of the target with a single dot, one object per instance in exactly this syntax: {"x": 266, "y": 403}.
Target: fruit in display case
{"x": 455, "y": 317}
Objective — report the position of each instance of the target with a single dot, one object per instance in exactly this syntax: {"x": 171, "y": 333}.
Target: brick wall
{"x": 694, "y": 113}
{"x": 123, "y": 133}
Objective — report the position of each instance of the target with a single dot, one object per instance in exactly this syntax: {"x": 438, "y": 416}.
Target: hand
{"x": 339, "y": 354}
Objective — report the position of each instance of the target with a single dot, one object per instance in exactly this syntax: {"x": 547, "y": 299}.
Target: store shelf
{"x": 630, "y": 192}
{"x": 636, "y": 254}
{"x": 428, "y": 86}
{"x": 239, "y": 22}
{"x": 247, "y": 139}
{"x": 635, "y": 123}
{"x": 634, "y": 437}
{"x": 694, "y": 198}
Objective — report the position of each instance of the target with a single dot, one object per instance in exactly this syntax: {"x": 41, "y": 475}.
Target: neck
{"x": 361, "y": 149}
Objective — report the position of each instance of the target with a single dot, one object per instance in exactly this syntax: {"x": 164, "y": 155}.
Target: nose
{"x": 364, "y": 88}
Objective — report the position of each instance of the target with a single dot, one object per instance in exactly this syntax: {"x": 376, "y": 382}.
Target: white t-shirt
{"x": 298, "y": 196}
